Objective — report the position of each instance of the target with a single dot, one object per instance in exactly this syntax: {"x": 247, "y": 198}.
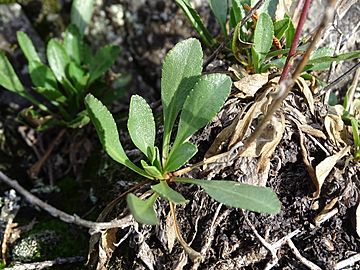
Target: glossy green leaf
{"x": 220, "y": 10}
{"x": 181, "y": 70}
{"x": 182, "y": 155}
{"x": 236, "y": 13}
{"x": 107, "y": 131}
{"x": 141, "y": 124}
{"x": 280, "y": 27}
{"x": 202, "y": 104}
{"x": 196, "y": 22}
{"x": 320, "y": 62}
{"x": 102, "y": 61}
{"x": 239, "y": 195}
{"x": 168, "y": 193}
{"x": 27, "y": 47}
{"x": 81, "y": 120}
{"x": 289, "y": 33}
{"x": 151, "y": 170}
{"x": 81, "y": 13}
{"x": 10, "y": 81}
{"x": 73, "y": 43}
{"x": 77, "y": 76}
{"x": 263, "y": 35}
{"x": 57, "y": 58}
{"x": 143, "y": 210}
{"x": 44, "y": 80}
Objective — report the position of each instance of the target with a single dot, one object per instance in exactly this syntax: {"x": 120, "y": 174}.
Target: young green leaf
{"x": 179, "y": 157}
{"x": 141, "y": 124}
{"x": 181, "y": 70}
{"x": 263, "y": 35}
{"x": 220, "y": 8}
{"x": 196, "y": 22}
{"x": 102, "y": 61}
{"x": 81, "y": 120}
{"x": 81, "y": 13}
{"x": 73, "y": 43}
{"x": 27, "y": 47}
{"x": 239, "y": 195}
{"x": 42, "y": 76}
{"x": 143, "y": 210}
{"x": 280, "y": 27}
{"x": 58, "y": 59}
{"x": 10, "y": 81}
{"x": 202, "y": 104}
{"x": 320, "y": 62}
{"x": 289, "y": 33}
{"x": 151, "y": 170}
{"x": 107, "y": 131}
{"x": 168, "y": 193}
{"x": 236, "y": 13}
{"x": 77, "y": 76}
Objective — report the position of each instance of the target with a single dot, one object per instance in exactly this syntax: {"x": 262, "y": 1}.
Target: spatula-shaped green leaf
{"x": 181, "y": 70}
{"x": 235, "y": 194}
{"x": 168, "y": 193}
{"x": 73, "y": 43}
{"x": 202, "y": 104}
{"x": 141, "y": 124}
{"x": 220, "y": 8}
{"x": 10, "y": 81}
{"x": 81, "y": 13}
{"x": 27, "y": 47}
{"x": 151, "y": 170}
{"x": 181, "y": 155}
{"x": 280, "y": 27}
{"x": 290, "y": 33}
{"x": 41, "y": 75}
{"x": 107, "y": 131}
{"x": 196, "y": 22}
{"x": 263, "y": 35}
{"x": 236, "y": 13}
{"x": 57, "y": 58}
{"x": 321, "y": 61}
{"x": 104, "y": 58}
{"x": 143, "y": 210}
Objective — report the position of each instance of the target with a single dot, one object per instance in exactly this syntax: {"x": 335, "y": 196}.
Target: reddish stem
{"x": 295, "y": 41}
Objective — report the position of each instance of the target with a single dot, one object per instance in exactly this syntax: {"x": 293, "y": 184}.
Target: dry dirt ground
{"x": 310, "y": 232}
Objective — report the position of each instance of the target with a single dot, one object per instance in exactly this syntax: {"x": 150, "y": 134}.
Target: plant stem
{"x": 295, "y": 41}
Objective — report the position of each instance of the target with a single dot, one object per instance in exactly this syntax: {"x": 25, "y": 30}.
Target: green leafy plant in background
{"x": 258, "y": 44}
{"x": 194, "y": 99}
{"x": 71, "y": 72}
{"x": 351, "y": 117}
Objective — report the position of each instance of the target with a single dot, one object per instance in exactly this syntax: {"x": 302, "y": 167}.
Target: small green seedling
{"x": 351, "y": 117}
{"x": 260, "y": 43}
{"x": 71, "y": 73}
{"x": 197, "y": 98}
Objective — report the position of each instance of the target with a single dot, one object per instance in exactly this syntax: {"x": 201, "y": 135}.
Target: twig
{"x": 35, "y": 169}
{"x": 347, "y": 262}
{"x": 45, "y": 264}
{"x": 193, "y": 254}
{"x": 302, "y": 259}
{"x": 338, "y": 80}
{"x": 242, "y": 22}
{"x": 93, "y": 226}
{"x": 295, "y": 41}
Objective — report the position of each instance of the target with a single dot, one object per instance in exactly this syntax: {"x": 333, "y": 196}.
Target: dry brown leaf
{"x": 343, "y": 7}
{"x": 278, "y": 128}
{"x": 170, "y": 232}
{"x": 238, "y": 71}
{"x": 324, "y": 168}
{"x": 334, "y": 125}
{"x": 310, "y": 169}
{"x": 307, "y": 93}
{"x": 312, "y": 131}
{"x": 249, "y": 85}
{"x": 106, "y": 248}
{"x": 327, "y": 212}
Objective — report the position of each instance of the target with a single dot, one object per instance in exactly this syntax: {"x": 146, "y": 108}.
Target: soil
{"x": 86, "y": 180}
